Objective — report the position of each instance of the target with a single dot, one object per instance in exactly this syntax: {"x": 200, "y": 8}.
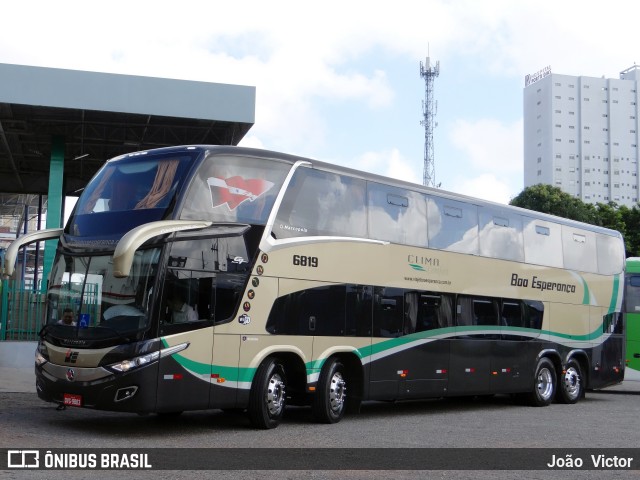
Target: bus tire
{"x": 329, "y": 401}
{"x": 267, "y": 398}
{"x": 544, "y": 385}
{"x": 570, "y": 384}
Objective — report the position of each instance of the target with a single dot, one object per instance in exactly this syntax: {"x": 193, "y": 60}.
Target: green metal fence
{"x": 23, "y": 308}
{"x": 22, "y": 311}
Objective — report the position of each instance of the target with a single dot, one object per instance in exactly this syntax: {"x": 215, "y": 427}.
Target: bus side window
{"x": 464, "y": 311}
{"x": 511, "y": 315}
{"x": 485, "y": 312}
{"x": 422, "y": 312}
{"x": 534, "y": 314}
{"x": 632, "y": 294}
{"x": 388, "y": 313}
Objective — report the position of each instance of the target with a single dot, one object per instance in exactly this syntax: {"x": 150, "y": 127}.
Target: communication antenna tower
{"x": 429, "y": 111}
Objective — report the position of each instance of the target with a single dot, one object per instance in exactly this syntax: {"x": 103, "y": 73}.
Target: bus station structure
{"x": 59, "y": 126}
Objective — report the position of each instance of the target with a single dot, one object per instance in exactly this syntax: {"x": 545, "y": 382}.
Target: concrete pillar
{"x": 54, "y": 203}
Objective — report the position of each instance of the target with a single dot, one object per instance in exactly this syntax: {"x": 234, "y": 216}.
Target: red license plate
{"x": 72, "y": 400}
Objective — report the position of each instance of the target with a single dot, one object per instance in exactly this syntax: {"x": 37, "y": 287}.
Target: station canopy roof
{"x": 98, "y": 116}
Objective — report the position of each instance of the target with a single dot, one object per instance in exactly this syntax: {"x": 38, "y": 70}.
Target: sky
{"x": 339, "y": 81}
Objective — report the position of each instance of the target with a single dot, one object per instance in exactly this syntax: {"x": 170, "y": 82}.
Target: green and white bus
{"x": 241, "y": 279}
{"x": 632, "y": 313}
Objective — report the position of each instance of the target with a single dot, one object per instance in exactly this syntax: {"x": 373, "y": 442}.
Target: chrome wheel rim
{"x": 571, "y": 382}
{"x": 275, "y": 395}
{"x": 337, "y": 392}
{"x": 545, "y": 384}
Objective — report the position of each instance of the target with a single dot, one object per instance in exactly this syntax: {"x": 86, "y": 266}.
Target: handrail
{"x": 14, "y": 247}
{"x": 129, "y": 243}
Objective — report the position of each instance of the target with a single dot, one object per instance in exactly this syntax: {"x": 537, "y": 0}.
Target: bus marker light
{"x": 441, "y": 372}
{"x": 403, "y": 373}
{"x": 469, "y": 370}
{"x": 173, "y": 376}
{"x": 312, "y": 389}
{"x": 220, "y": 380}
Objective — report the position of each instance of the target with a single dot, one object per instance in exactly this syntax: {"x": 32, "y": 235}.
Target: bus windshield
{"x": 128, "y": 192}
{"x": 84, "y": 296}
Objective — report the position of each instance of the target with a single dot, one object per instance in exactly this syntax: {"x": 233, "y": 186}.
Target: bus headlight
{"x": 140, "y": 361}
{"x": 42, "y": 355}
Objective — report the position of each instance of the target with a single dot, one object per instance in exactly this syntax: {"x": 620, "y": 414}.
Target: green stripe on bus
{"x": 614, "y": 294}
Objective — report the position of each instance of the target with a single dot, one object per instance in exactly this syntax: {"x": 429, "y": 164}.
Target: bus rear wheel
{"x": 267, "y": 398}
{"x": 545, "y": 382}
{"x": 570, "y": 384}
{"x": 329, "y": 402}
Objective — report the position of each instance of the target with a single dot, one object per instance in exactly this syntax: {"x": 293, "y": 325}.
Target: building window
{"x": 586, "y": 99}
{"x": 587, "y": 127}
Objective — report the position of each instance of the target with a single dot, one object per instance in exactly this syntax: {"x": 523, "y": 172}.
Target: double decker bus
{"x": 215, "y": 277}
{"x": 632, "y": 313}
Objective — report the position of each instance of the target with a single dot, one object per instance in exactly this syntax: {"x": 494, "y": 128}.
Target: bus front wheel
{"x": 329, "y": 402}
{"x": 545, "y": 382}
{"x": 570, "y": 385}
{"x": 268, "y": 395}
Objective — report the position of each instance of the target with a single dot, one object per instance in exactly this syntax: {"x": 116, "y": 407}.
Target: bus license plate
{"x": 72, "y": 400}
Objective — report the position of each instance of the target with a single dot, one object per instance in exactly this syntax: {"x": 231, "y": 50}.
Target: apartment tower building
{"x": 581, "y": 135}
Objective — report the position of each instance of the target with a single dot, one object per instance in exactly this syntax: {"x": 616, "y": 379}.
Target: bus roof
{"x": 268, "y": 154}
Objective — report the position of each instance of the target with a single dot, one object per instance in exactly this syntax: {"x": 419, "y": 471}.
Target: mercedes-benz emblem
{"x": 71, "y": 374}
